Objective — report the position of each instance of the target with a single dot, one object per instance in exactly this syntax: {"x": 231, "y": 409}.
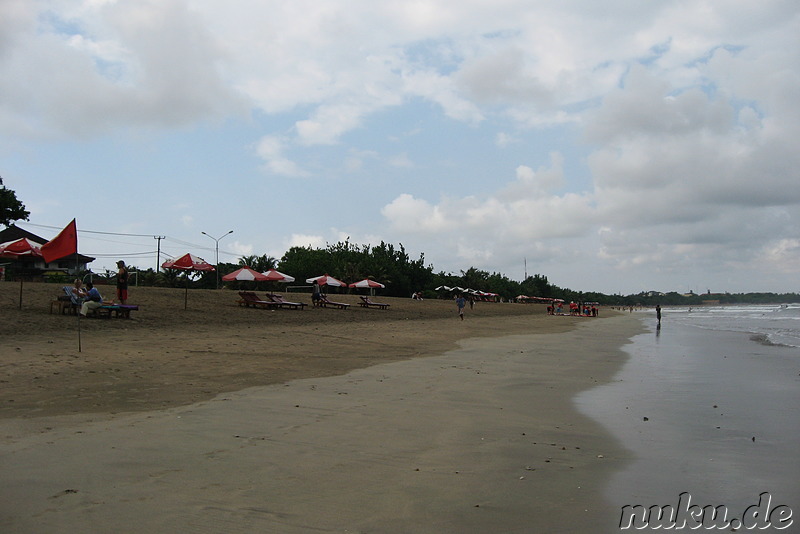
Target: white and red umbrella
{"x": 326, "y": 280}
{"x": 368, "y": 284}
{"x": 277, "y": 276}
{"x": 188, "y": 262}
{"x": 245, "y": 274}
{"x": 22, "y": 247}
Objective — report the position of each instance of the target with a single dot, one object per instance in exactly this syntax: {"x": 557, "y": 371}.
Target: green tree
{"x": 11, "y": 209}
{"x": 261, "y": 263}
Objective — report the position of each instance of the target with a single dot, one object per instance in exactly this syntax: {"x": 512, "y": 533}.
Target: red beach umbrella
{"x": 367, "y": 283}
{"x": 277, "y": 276}
{"x": 245, "y": 274}
{"x": 326, "y": 280}
{"x": 20, "y": 248}
{"x": 188, "y": 262}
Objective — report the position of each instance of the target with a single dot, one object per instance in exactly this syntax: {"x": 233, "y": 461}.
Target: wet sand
{"x": 708, "y": 412}
{"x": 481, "y": 438}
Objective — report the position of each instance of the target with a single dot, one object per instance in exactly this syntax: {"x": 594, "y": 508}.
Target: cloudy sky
{"x": 611, "y": 146}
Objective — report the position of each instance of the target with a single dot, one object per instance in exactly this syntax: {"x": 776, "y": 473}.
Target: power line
{"x": 89, "y": 231}
{"x": 125, "y": 255}
{"x": 171, "y": 239}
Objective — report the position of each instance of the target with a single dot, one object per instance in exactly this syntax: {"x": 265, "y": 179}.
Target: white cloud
{"x": 270, "y": 149}
{"x": 401, "y": 161}
{"x": 523, "y": 214}
{"x": 782, "y": 255}
{"x": 408, "y": 214}
{"x": 302, "y": 240}
{"x": 503, "y": 139}
{"x": 240, "y": 249}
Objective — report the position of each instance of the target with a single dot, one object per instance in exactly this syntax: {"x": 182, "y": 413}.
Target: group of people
{"x": 585, "y": 310}
{"x": 554, "y": 308}
{"x": 90, "y": 298}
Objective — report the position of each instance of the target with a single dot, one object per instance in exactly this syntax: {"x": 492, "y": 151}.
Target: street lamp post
{"x": 216, "y": 243}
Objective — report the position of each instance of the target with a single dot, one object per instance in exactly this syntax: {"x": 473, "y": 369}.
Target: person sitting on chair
{"x": 78, "y": 293}
{"x": 93, "y": 299}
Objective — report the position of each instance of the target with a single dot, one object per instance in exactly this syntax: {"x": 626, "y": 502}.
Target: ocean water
{"x": 707, "y": 404}
{"x": 769, "y": 324}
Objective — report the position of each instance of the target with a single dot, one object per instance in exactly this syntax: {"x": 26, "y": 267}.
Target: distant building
{"x": 32, "y": 268}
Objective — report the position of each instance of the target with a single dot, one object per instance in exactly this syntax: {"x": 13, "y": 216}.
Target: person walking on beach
{"x": 461, "y": 302}
{"x": 122, "y": 282}
{"x": 658, "y": 313}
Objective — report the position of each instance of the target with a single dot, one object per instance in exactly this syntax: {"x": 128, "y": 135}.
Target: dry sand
{"x": 162, "y": 423}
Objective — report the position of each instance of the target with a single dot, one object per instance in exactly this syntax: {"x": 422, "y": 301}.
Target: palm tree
{"x": 259, "y": 263}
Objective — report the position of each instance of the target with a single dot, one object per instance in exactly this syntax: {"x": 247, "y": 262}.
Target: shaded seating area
{"x": 71, "y": 303}
{"x": 250, "y": 299}
{"x": 366, "y": 302}
{"x": 324, "y": 303}
{"x": 283, "y": 303}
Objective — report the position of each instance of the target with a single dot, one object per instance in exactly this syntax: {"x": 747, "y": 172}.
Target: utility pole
{"x": 216, "y": 242}
{"x": 158, "y": 254}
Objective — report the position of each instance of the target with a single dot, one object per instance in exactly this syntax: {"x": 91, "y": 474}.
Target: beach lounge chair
{"x": 324, "y": 302}
{"x": 283, "y": 303}
{"x": 366, "y": 302}
{"x": 68, "y": 301}
{"x": 249, "y": 298}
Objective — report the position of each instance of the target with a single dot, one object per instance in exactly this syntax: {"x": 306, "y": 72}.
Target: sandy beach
{"x": 223, "y": 418}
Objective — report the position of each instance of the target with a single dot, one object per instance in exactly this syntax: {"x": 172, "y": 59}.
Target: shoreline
{"x": 708, "y": 412}
{"x": 485, "y": 436}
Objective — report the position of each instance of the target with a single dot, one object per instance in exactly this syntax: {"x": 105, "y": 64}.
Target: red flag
{"x": 64, "y": 244}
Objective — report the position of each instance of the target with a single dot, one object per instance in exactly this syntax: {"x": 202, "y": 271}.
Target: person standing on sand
{"x": 122, "y": 282}
{"x": 316, "y": 293}
{"x": 461, "y": 302}
{"x": 658, "y": 313}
